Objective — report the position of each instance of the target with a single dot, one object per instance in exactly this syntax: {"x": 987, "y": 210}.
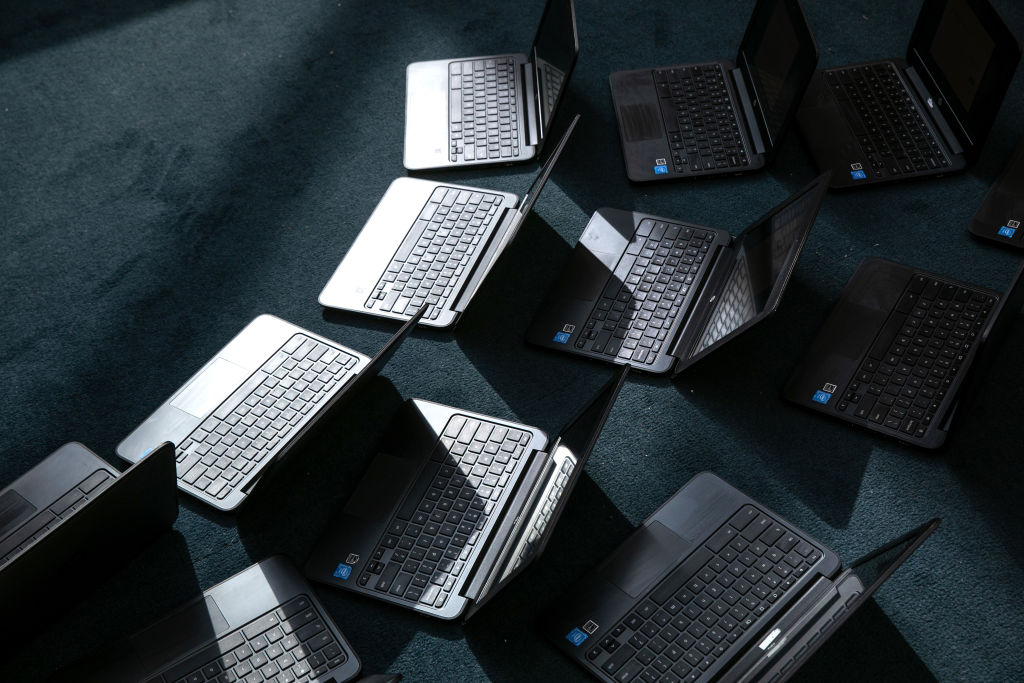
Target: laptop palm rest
{"x": 206, "y": 391}
{"x": 644, "y": 558}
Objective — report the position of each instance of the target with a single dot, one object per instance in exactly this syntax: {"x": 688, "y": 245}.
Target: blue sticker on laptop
{"x": 661, "y": 169}
{"x": 562, "y": 337}
{"x": 1007, "y": 231}
{"x": 576, "y": 637}
{"x": 821, "y": 397}
{"x": 858, "y": 175}
{"x": 343, "y": 571}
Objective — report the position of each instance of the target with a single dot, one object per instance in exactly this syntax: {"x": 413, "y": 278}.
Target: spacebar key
{"x": 205, "y": 656}
{"x": 883, "y": 342}
{"x": 225, "y": 408}
{"x": 621, "y": 656}
{"x": 415, "y": 497}
{"x": 410, "y": 240}
{"x": 680, "y": 576}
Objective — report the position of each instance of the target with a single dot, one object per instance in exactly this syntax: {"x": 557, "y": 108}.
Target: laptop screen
{"x": 554, "y": 55}
{"x": 765, "y": 254}
{"x": 878, "y": 565}
{"x": 970, "y": 56}
{"x": 778, "y": 56}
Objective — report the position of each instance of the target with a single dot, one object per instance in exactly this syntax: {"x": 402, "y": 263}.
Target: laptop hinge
{"x": 483, "y": 265}
{"x": 753, "y": 124}
{"x": 929, "y": 104}
{"x": 531, "y": 111}
{"x": 486, "y": 570}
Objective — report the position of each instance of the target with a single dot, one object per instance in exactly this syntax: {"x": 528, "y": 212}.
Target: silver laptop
{"x": 430, "y": 243}
{"x": 250, "y": 404}
{"x": 490, "y": 110}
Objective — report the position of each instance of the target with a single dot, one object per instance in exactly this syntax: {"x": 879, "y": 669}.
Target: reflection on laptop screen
{"x": 962, "y": 49}
{"x": 764, "y": 254}
{"x": 554, "y": 52}
{"x": 876, "y": 566}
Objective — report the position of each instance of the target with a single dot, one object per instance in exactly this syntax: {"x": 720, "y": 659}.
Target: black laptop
{"x": 455, "y": 505}
{"x": 659, "y": 295}
{"x": 262, "y": 624}
{"x": 72, "y": 518}
{"x": 900, "y": 348}
{"x": 714, "y": 586}
{"x": 717, "y": 117}
{"x": 928, "y": 115}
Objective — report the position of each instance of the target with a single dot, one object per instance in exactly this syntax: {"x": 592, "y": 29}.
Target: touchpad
{"x": 13, "y": 510}
{"x": 210, "y": 388}
{"x": 163, "y": 641}
{"x": 586, "y": 274}
{"x": 641, "y": 122}
{"x": 643, "y": 558}
{"x": 380, "y": 487}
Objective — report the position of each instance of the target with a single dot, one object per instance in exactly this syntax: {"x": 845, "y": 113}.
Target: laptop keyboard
{"x": 223, "y": 451}
{"x": 916, "y": 356}
{"x": 705, "y": 135}
{"x": 437, "y": 252}
{"x": 483, "y": 112}
{"x": 289, "y": 644}
{"x": 430, "y": 539}
{"x": 633, "y": 318}
{"x": 65, "y": 506}
{"x": 689, "y": 622}
{"x": 893, "y": 135}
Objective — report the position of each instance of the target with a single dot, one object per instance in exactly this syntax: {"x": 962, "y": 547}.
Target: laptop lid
{"x": 516, "y": 221}
{"x": 966, "y": 56}
{"x": 763, "y": 257}
{"x": 372, "y": 368}
{"x": 107, "y": 529}
{"x": 777, "y": 56}
{"x": 851, "y": 590}
{"x": 579, "y": 436}
{"x": 553, "y": 54}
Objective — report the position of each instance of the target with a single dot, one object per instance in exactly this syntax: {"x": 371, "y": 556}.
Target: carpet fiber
{"x": 171, "y": 169}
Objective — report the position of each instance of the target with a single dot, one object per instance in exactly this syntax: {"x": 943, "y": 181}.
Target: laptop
{"x": 717, "y": 117}
{"x": 249, "y": 406}
{"x": 495, "y": 109}
{"x": 928, "y": 115}
{"x": 430, "y": 243}
{"x": 714, "y": 586}
{"x": 658, "y": 294}
{"x": 63, "y": 526}
{"x": 264, "y": 623}
{"x": 899, "y": 350}
{"x": 455, "y": 505}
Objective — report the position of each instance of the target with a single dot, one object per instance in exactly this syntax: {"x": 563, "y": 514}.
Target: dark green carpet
{"x": 170, "y": 170}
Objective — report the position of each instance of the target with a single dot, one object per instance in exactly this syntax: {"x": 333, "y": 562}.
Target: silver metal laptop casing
{"x": 214, "y": 383}
{"x": 426, "y": 114}
{"x": 368, "y": 257}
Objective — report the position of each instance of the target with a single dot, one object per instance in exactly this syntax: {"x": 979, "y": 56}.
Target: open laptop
{"x": 714, "y": 586}
{"x": 490, "y": 110}
{"x": 264, "y": 623}
{"x": 67, "y": 521}
{"x": 432, "y": 244}
{"x": 659, "y": 295}
{"x": 455, "y": 505}
{"x": 717, "y": 117}
{"x": 900, "y": 347}
{"x": 930, "y": 114}
{"x": 249, "y": 406}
